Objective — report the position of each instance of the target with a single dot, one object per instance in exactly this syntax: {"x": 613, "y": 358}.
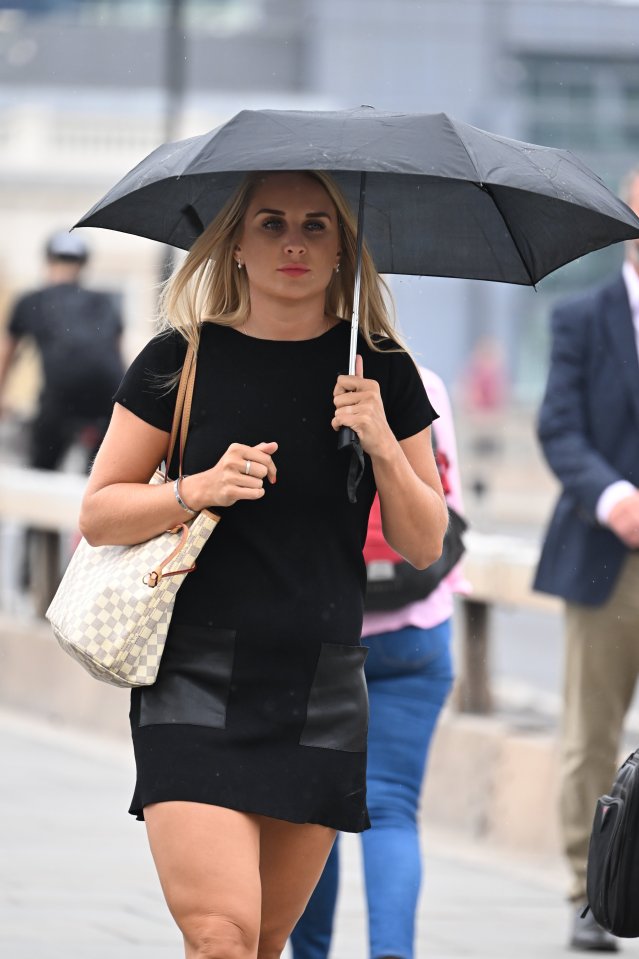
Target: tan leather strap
{"x": 153, "y": 578}
{"x": 182, "y": 410}
{"x": 186, "y": 410}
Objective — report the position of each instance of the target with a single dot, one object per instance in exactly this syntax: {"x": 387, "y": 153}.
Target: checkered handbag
{"x": 113, "y": 607}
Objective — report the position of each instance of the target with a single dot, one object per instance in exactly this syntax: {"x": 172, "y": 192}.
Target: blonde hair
{"x": 208, "y": 287}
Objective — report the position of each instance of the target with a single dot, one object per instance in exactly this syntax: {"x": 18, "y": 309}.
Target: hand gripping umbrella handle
{"x": 346, "y": 437}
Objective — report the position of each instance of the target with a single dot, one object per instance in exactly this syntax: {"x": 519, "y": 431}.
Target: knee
{"x": 270, "y": 950}
{"x": 392, "y": 804}
{"x": 271, "y": 944}
{"x": 218, "y": 937}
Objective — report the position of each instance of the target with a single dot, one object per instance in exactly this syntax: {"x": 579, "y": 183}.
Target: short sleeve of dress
{"x": 149, "y": 386}
{"x": 408, "y": 409}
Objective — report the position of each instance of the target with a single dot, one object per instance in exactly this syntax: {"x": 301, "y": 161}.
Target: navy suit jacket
{"x": 589, "y": 431}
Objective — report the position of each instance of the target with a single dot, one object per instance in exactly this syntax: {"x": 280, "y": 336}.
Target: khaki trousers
{"x": 601, "y": 668}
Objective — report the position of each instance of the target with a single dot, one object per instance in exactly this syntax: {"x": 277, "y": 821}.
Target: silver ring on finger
{"x": 247, "y": 468}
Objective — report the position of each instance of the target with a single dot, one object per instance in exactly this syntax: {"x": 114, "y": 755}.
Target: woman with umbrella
{"x": 251, "y": 746}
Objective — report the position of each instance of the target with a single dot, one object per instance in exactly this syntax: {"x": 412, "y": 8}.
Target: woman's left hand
{"x": 358, "y": 404}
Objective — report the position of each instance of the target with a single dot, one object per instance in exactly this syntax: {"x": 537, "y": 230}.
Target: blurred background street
{"x": 89, "y": 87}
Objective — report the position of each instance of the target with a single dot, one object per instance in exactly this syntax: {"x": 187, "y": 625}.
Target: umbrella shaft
{"x": 358, "y": 274}
{"x": 353, "y": 350}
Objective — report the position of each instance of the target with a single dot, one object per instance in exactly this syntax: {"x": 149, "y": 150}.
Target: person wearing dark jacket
{"x": 589, "y": 431}
{"x": 76, "y": 332}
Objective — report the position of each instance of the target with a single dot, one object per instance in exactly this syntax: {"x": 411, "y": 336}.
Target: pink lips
{"x": 293, "y": 270}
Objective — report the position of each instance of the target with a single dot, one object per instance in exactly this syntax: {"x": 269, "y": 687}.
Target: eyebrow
{"x": 283, "y": 213}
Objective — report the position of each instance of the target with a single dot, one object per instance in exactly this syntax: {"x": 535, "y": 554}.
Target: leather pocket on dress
{"x": 337, "y": 713}
{"x": 194, "y": 679}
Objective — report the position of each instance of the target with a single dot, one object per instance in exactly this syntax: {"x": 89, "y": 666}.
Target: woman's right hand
{"x": 228, "y": 481}
{"x": 121, "y": 507}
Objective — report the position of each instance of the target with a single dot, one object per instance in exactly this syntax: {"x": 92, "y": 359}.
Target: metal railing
{"x": 500, "y": 570}
{"x": 47, "y": 503}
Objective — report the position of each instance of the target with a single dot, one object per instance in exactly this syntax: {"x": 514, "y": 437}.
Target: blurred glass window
{"x": 209, "y": 15}
{"x": 583, "y": 102}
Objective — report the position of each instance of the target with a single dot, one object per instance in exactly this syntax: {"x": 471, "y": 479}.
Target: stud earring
{"x": 337, "y": 268}
{"x": 239, "y": 264}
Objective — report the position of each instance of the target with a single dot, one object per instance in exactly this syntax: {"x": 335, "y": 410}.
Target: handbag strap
{"x": 182, "y": 411}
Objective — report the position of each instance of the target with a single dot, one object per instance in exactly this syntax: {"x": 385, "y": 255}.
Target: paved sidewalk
{"x": 71, "y": 890}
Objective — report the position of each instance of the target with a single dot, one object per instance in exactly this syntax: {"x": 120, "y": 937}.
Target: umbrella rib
{"x": 487, "y": 189}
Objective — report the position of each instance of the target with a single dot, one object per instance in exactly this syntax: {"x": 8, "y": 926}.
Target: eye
{"x": 315, "y": 226}
{"x": 273, "y": 223}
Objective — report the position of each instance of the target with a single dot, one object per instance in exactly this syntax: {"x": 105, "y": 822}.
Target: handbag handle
{"x": 182, "y": 411}
{"x": 180, "y": 424}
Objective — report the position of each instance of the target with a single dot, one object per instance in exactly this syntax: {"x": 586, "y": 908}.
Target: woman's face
{"x": 289, "y": 242}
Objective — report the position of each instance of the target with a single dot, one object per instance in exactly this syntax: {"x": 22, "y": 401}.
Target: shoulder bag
{"x": 613, "y": 857}
{"x": 113, "y": 607}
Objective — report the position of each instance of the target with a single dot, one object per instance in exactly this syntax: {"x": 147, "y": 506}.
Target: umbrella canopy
{"x": 443, "y": 198}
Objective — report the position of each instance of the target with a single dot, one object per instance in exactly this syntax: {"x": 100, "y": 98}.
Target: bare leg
{"x": 292, "y": 858}
{"x": 208, "y": 861}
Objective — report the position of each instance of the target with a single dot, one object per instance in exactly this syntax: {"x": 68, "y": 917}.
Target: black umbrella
{"x": 443, "y": 198}
{"x": 439, "y": 197}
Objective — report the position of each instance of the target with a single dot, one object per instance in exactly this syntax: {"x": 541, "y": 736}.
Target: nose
{"x": 294, "y": 244}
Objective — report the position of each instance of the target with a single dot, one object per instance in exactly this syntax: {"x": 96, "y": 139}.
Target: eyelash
{"x": 273, "y": 224}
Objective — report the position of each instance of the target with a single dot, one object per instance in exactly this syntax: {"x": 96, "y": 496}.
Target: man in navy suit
{"x": 589, "y": 431}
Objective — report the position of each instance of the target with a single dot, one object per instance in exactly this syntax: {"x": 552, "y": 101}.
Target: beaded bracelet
{"x": 176, "y": 490}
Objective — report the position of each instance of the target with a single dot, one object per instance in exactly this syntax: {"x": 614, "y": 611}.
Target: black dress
{"x": 260, "y": 704}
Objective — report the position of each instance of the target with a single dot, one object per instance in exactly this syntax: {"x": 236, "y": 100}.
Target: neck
{"x": 58, "y": 272}
{"x": 285, "y": 320}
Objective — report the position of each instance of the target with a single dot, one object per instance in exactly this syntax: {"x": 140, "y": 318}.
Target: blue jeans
{"x": 409, "y": 676}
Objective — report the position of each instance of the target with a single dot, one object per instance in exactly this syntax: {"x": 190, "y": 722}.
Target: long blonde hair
{"x": 208, "y": 287}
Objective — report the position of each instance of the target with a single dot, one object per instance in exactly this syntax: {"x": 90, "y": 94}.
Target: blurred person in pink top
{"x": 409, "y": 675}
{"x": 485, "y": 382}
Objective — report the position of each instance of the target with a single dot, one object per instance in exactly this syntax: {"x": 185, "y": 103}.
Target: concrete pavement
{"x": 77, "y": 880}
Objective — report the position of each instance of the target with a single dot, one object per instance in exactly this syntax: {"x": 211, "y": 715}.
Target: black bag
{"x": 613, "y": 857}
{"x": 393, "y": 585}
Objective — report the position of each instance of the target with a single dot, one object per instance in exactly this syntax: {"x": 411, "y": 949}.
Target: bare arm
{"x": 119, "y": 506}
{"x": 8, "y": 349}
{"x": 414, "y": 513}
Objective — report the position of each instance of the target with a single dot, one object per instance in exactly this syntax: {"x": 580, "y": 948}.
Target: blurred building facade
{"x": 83, "y": 97}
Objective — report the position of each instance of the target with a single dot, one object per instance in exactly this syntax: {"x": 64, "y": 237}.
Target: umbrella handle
{"x": 346, "y": 438}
